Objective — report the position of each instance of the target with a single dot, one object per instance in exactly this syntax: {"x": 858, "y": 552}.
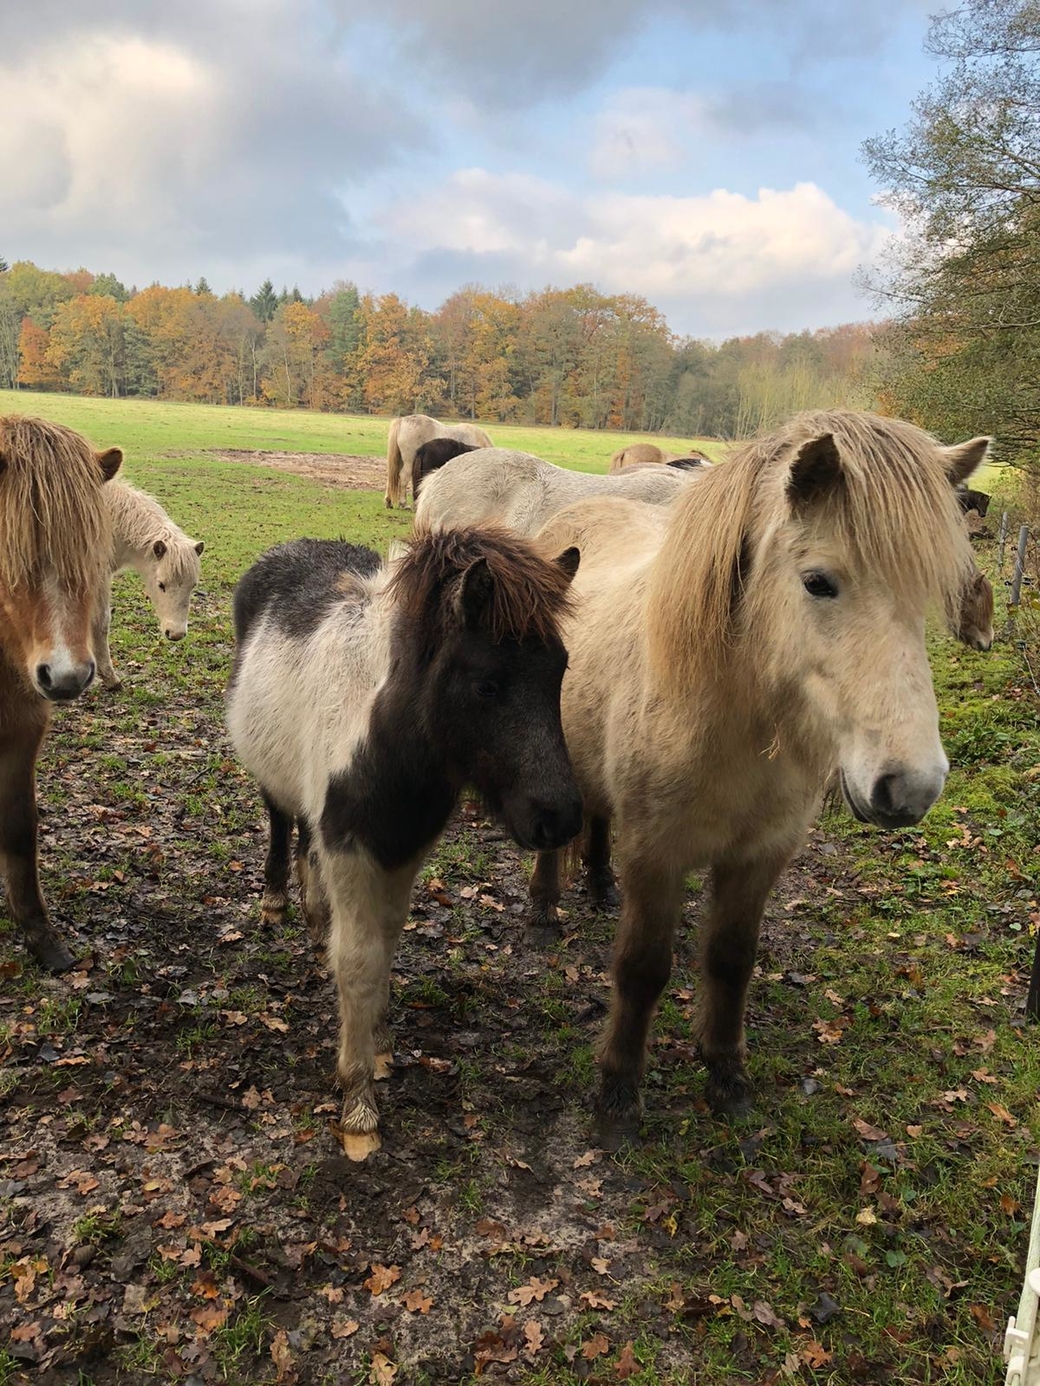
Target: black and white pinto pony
{"x": 363, "y": 698}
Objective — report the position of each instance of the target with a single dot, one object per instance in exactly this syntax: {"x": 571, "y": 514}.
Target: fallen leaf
{"x": 417, "y": 1303}
{"x": 1002, "y": 1114}
{"x": 597, "y": 1345}
{"x": 763, "y": 1313}
{"x": 982, "y": 1317}
{"x": 866, "y": 1217}
{"x": 626, "y": 1365}
{"x": 209, "y": 1317}
{"x": 280, "y": 1354}
{"x": 597, "y": 1301}
{"x": 814, "y": 1354}
{"x": 535, "y": 1289}
{"x": 382, "y": 1278}
{"x": 535, "y": 1337}
{"x": 600, "y": 1265}
{"x": 344, "y": 1328}
{"x": 382, "y": 1370}
{"x": 868, "y": 1132}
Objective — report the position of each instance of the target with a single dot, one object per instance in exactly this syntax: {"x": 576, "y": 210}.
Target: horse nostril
{"x": 881, "y": 798}
{"x": 43, "y": 675}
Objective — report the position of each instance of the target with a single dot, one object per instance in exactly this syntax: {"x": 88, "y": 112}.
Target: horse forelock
{"x": 893, "y": 517}
{"x": 52, "y": 510}
{"x": 528, "y": 595}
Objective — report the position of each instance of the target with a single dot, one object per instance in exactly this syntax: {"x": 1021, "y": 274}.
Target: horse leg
{"x": 543, "y": 922}
{"x": 599, "y": 877}
{"x": 275, "y": 900}
{"x": 651, "y": 908}
{"x": 369, "y": 909}
{"x": 18, "y": 860}
{"x": 729, "y": 941}
{"x": 99, "y": 638}
{"x": 313, "y": 900}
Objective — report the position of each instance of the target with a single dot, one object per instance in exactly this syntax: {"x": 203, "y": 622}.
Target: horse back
{"x": 296, "y": 583}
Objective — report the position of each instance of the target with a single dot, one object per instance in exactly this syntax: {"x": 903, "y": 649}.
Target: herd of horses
{"x": 661, "y": 669}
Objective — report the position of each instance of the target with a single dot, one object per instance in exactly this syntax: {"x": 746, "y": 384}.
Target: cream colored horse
{"x": 649, "y": 454}
{"x": 721, "y": 665}
{"x": 515, "y": 489}
{"x": 164, "y": 557}
{"x": 409, "y": 432}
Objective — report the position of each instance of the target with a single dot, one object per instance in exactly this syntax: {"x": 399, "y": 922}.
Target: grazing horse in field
{"x": 649, "y": 455}
{"x": 363, "y": 698}
{"x": 432, "y": 456}
{"x": 721, "y": 666}
{"x": 974, "y": 625}
{"x": 146, "y": 539}
{"x": 55, "y": 538}
{"x": 409, "y": 432}
{"x": 521, "y": 492}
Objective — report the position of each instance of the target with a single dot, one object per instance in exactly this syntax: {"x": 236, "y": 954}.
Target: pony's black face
{"x": 495, "y": 709}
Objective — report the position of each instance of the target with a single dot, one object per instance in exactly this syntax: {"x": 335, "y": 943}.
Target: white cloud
{"x": 708, "y": 256}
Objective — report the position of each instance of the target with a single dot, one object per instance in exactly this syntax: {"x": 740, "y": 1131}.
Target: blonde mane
{"x": 52, "y": 509}
{"x": 894, "y": 513}
{"x": 139, "y": 520}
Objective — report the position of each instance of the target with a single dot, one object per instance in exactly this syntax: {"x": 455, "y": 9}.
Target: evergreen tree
{"x": 264, "y": 302}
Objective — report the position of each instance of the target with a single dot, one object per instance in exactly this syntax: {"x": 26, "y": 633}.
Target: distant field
{"x": 153, "y": 427}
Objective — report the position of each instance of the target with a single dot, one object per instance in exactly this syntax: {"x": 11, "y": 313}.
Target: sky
{"x": 705, "y": 154}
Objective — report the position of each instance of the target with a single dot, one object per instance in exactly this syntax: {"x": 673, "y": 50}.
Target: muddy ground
{"x": 356, "y": 473}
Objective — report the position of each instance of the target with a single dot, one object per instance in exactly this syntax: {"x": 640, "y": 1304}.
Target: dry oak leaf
{"x": 209, "y": 1317}
{"x": 381, "y": 1279}
{"x": 26, "y": 1332}
{"x": 600, "y": 1265}
{"x": 344, "y": 1328}
{"x": 597, "y": 1345}
{"x": 332, "y": 1293}
{"x": 597, "y": 1301}
{"x": 814, "y": 1354}
{"x": 1002, "y": 1114}
{"x": 626, "y": 1365}
{"x": 280, "y": 1354}
{"x": 535, "y": 1337}
{"x": 382, "y": 1370}
{"x": 417, "y": 1303}
{"x": 868, "y": 1132}
{"x": 866, "y": 1217}
{"x": 535, "y": 1289}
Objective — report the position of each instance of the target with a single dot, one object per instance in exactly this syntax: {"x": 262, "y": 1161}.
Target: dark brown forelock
{"x": 528, "y": 595}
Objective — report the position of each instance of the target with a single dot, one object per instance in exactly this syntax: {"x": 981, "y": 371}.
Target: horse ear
{"x": 158, "y": 548}
{"x": 963, "y": 458}
{"x": 200, "y": 547}
{"x": 568, "y": 561}
{"x": 474, "y": 595}
{"x": 110, "y": 461}
{"x": 815, "y": 470}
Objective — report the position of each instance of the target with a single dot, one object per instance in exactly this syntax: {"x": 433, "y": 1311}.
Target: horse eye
{"x": 819, "y": 585}
{"x": 162, "y": 587}
{"x": 487, "y": 690}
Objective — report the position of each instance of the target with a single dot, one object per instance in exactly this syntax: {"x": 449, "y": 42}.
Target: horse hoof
{"x": 359, "y": 1145}
{"x": 112, "y": 685}
{"x": 603, "y": 898}
{"x": 51, "y": 953}
{"x": 271, "y": 912}
{"x": 617, "y": 1134}
{"x": 382, "y": 1066}
{"x": 730, "y": 1098}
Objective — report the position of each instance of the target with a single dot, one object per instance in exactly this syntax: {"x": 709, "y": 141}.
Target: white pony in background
{"x": 145, "y": 539}
{"x": 521, "y": 492}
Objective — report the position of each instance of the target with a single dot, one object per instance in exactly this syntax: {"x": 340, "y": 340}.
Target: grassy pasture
{"x": 172, "y": 1204}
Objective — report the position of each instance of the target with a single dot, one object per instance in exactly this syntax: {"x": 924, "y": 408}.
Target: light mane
{"x": 139, "y": 520}
{"x": 529, "y": 595}
{"x": 895, "y": 514}
{"x": 52, "y": 512}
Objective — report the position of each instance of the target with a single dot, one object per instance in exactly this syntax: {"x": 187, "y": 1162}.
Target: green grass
{"x": 147, "y": 429}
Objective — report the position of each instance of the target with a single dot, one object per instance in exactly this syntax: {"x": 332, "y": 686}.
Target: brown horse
{"x": 432, "y": 456}
{"x": 722, "y": 663}
{"x": 55, "y": 542}
{"x": 409, "y": 432}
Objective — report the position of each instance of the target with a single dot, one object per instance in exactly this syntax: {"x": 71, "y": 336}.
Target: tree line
{"x": 964, "y": 279}
{"x": 572, "y": 357}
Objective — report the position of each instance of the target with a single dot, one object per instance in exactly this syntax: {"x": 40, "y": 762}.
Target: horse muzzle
{"x": 62, "y": 683}
{"x": 174, "y": 634}
{"x": 897, "y": 798}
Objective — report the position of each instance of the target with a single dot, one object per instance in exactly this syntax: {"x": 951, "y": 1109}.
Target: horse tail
{"x": 394, "y": 463}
